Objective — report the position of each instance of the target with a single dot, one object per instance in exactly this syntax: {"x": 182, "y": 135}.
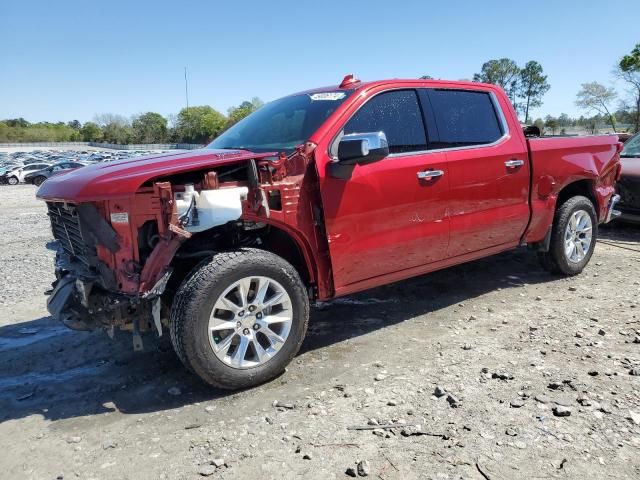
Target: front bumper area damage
{"x": 81, "y": 301}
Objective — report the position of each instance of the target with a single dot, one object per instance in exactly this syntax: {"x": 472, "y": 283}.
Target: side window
{"x": 632, "y": 147}
{"x": 463, "y": 118}
{"x": 397, "y": 114}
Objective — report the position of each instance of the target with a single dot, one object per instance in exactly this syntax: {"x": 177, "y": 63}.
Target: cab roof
{"x": 350, "y": 83}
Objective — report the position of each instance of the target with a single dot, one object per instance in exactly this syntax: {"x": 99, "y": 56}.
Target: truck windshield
{"x": 283, "y": 124}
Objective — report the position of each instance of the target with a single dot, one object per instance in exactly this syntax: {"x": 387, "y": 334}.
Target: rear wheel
{"x": 573, "y": 237}
{"x": 39, "y": 181}
{"x": 13, "y": 180}
{"x": 240, "y": 318}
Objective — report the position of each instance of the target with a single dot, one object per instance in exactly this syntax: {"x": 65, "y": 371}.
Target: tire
{"x": 13, "y": 181}
{"x": 207, "y": 286}
{"x": 558, "y": 260}
{"x": 39, "y": 181}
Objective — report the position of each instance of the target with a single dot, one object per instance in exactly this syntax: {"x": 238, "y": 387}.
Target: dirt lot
{"x": 507, "y": 344}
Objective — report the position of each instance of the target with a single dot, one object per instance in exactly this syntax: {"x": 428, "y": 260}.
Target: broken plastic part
{"x": 138, "y": 346}
{"x": 159, "y": 287}
{"x": 155, "y": 312}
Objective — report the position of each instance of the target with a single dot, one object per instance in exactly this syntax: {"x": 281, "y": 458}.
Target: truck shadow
{"x": 50, "y": 371}
{"x": 620, "y": 231}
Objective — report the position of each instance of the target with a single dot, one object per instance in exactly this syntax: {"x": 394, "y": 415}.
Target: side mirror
{"x": 362, "y": 148}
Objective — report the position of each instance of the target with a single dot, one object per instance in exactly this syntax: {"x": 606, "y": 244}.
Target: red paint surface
{"x": 383, "y": 224}
{"x": 122, "y": 178}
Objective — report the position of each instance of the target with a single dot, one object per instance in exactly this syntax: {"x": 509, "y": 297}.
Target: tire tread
{"x": 554, "y": 260}
{"x": 190, "y": 299}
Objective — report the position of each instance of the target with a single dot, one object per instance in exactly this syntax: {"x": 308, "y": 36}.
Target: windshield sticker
{"x": 332, "y": 96}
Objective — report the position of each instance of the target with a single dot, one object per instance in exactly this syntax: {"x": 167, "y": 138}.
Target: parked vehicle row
{"x": 36, "y": 166}
{"x": 38, "y": 177}
{"x": 16, "y": 175}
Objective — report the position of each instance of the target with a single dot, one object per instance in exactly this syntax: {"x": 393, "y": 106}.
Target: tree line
{"x": 198, "y": 124}
{"x": 525, "y": 87}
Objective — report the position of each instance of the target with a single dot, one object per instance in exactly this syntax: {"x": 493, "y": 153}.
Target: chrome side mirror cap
{"x": 362, "y": 148}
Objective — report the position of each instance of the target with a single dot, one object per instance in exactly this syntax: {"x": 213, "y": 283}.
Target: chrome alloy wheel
{"x": 578, "y": 236}
{"x": 250, "y": 322}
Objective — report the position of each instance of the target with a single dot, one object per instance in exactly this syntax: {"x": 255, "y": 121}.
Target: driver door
{"x": 389, "y": 215}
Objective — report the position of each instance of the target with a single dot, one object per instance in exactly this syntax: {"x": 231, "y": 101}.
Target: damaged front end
{"x": 87, "y": 293}
{"x": 120, "y": 260}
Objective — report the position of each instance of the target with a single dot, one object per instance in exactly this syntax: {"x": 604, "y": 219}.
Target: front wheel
{"x": 13, "y": 180}
{"x": 239, "y": 318}
{"x": 573, "y": 237}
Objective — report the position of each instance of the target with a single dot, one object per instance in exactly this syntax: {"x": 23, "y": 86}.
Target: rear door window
{"x": 396, "y": 113}
{"x": 462, "y": 118}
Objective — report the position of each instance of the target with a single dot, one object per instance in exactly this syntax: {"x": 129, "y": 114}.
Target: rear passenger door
{"x": 488, "y": 169}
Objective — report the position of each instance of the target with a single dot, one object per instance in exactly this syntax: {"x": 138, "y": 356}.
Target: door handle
{"x": 514, "y": 163}
{"x": 429, "y": 174}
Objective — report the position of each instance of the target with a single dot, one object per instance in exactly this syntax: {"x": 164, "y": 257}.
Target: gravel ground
{"x": 491, "y": 370}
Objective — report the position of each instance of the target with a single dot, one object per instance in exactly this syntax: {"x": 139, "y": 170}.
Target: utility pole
{"x": 186, "y": 87}
{"x": 186, "y": 96}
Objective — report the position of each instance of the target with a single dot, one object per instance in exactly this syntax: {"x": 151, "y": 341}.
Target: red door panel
{"x": 385, "y": 219}
{"x": 489, "y": 204}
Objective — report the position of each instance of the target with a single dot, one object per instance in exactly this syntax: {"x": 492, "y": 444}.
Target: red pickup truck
{"x": 316, "y": 195}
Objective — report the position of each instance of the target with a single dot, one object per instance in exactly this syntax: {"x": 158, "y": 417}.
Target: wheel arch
{"x": 293, "y": 248}
{"x": 279, "y": 240}
{"x": 583, "y": 187}
{"x": 544, "y": 211}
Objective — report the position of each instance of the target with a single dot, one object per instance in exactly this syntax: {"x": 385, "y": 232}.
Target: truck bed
{"x": 558, "y": 161}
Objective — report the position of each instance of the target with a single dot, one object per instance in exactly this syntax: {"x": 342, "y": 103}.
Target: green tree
{"x": 595, "y": 97}
{"x": 235, "y": 114}
{"x": 199, "y": 124}
{"x": 628, "y": 69}
{"x": 75, "y": 124}
{"x": 115, "y": 128}
{"x": 503, "y": 72}
{"x": 149, "y": 127}
{"x": 17, "y": 122}
{"x": 90, "y": 132}
{"x": 531, "y": 87}
{"x": 19, "y": 130}
{"x": 551, "y": 123}
{"x": 538, "y": 122}
{"x": 564, "y": 120}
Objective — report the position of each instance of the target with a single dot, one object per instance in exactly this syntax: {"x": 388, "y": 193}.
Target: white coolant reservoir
{"x": 183, "y": 199}
{"x": 215, "y": 207}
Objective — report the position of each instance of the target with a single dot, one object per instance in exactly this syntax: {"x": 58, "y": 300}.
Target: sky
{"x": 67, "y": 60}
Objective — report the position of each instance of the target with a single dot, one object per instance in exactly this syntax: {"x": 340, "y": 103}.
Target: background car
{"x": 15, "y": 176}
{"x": 29, "y": 162}
{"x": 628, "y": 186}
{"x": 38, "y": 177}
